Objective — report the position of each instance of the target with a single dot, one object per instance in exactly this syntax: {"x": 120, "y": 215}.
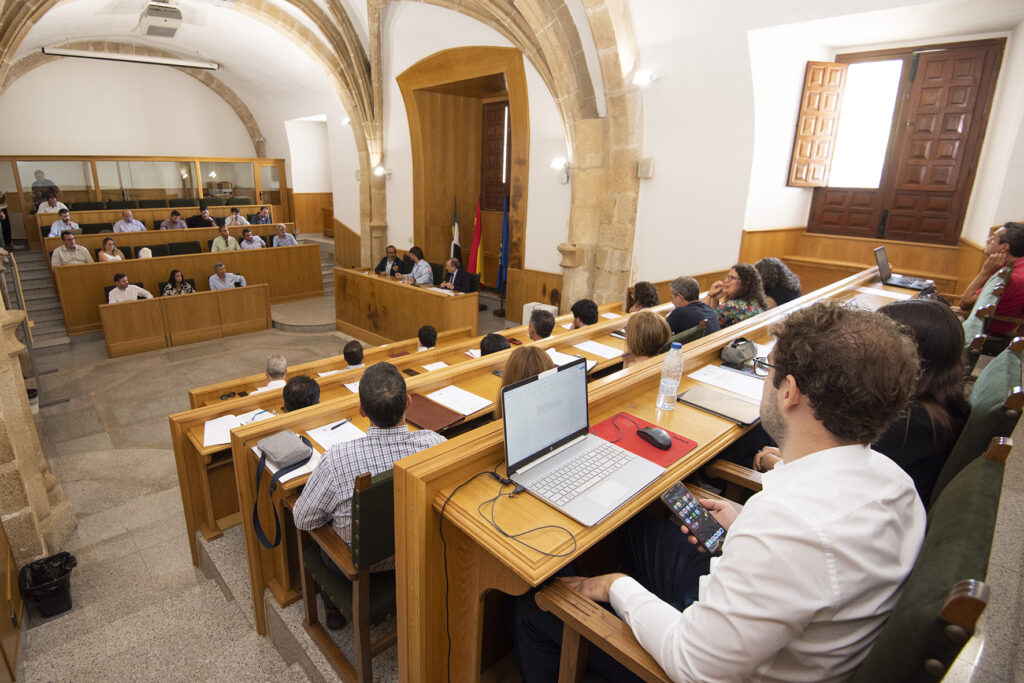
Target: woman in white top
{"x": 421, "y": 271}
{"x": 110, "y": 252}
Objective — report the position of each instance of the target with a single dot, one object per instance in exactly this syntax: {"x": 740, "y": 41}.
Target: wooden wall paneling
{"x": 347, "y": 246}
{"x": 327, "y": 221}
{"x": 309, "y": 208}
{"x": 244, "y": 310}
{"x": 192, "y": 318}
{"x": 757, "y": 244}
{"x": 525, "y": 286}
{"x": 133, "y": 327}
{"x": 971, "y": 258}
{"x": 139, "y": 239}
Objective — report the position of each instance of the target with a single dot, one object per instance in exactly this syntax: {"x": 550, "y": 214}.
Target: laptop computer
{"x": 905, "y": 281}
{"x": 550, "y": 451}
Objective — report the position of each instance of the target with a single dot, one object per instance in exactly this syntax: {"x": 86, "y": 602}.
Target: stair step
{"x": 48, "y": 341}
{"x": 46, "y": 316}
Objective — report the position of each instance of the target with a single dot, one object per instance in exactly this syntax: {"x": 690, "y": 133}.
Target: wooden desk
{"x": 138, "y": 326}
{"x": 479, "y": 560}
{"x": 379, "y": 309}
{"x": 291, "y": 272}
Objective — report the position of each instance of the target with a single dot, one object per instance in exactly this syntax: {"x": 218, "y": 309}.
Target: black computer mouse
{"x": 655, "y": 436}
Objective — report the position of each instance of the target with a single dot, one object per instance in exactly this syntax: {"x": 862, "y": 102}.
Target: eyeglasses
{"x": 730, "y": 276}
{"x": 761, "y": 366}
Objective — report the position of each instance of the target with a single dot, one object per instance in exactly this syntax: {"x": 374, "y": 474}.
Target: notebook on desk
{"x": 550, "y": 451}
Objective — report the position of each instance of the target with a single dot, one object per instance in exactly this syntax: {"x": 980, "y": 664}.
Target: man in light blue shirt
{"x": 421, "y": 272}
{"x": 221, "y": 279}
{"x": 251, "y": 241}
{"x": 65, "y": 223}
{"x": 128, "y": 224}
{"x": 283, "y": 238}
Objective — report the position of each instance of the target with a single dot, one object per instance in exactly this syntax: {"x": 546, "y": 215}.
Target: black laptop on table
{"x": 905, "y": 281}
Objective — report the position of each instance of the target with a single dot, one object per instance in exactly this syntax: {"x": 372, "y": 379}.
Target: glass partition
{"x": 12, "y": 220}
{"x": 270, "y": 185}
{"x": 232, "y": 181}
{"x": 69, "y": 181}
{"x": 142, "y": 180}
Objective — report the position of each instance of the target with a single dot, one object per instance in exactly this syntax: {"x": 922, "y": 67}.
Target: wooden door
{"x": 10, "y": 611}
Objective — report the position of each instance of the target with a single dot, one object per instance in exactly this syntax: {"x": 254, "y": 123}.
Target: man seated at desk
{"x": 353, "y": 353}
{"x": 277, "y": 366}
{"x": 69, "y": 252}
{"x": 283, "y": 238}
{"x": 814, "y": 563}
{"x": 125, "y": 292}
{"x": 457, "y": 279}
{"x": 251, "y": 241}
{"x": 584, "y": 312}
{"x": 541, "y": 324}
{"x": 422, "y": 273}
{"x": 221, "y": 279}
{"x": 128, "y": 224}
{"x": 224, "y": 241}
{"x": 51, "y": 205}
{"x": 327, "y": 496}
{"x": 174, "y": 222}
{"x": 689, "y": 309}
{"x": 301, "y": 391}
{"x": 263, "y": 217}
{"x": 236, "y": 219}
{"x": 390, "y": 264}
{"x": 62, "y": 224}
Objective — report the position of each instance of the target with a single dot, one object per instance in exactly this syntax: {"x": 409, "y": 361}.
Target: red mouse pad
{"x": 627, "y": 425}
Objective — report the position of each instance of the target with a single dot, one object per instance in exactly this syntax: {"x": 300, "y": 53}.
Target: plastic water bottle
{"x": 671, "y": 374}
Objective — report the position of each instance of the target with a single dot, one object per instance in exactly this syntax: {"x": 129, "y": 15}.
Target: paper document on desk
{"x": 567, "y": 326}
{"x": 328, "y": 373}
{"x": 610, "y": 315}
{"x": 473, "y": 353}
{"x": 353, "y": 386}
{"x": 459, "y": 400}
{"x": 218, "y": 430}
{"x": 439, "y": 365}
{"x": 560, "y": 359}
{"x": 443, "y": 291}
{"x": 717, "y": 376}
{"x": 599, "y": 349}
{"x": 254, "y": 416}
{"x": 306, "y": 469}
{"x": 878, "y": 291}
{"x": 334, "y": 432}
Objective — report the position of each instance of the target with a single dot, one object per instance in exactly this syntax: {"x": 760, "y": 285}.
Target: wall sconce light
{"x": 642, "y": 77}
{"x": 379, "y": 170}
{"x": 561, "y": 164}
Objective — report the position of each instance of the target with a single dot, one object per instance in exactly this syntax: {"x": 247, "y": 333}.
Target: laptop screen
{"x": 884, "y": 271}
{"x": 544, "y": 412}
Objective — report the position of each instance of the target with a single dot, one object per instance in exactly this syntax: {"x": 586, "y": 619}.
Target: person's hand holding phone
{"x": 724, "y": 513}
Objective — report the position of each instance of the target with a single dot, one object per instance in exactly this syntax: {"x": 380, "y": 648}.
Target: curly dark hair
{"x": 857, "y": 368}
{"x": 774, "y": 273}
{"x": 645, "y": 294}
{"x": 751, "y": 288}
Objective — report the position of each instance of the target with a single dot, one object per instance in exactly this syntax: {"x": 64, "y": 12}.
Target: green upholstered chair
{"x": 686, "y": 336}
{"x": 241, "y": 201}
{"x": 997, "y": 400}
{"x": 438, "y": 270}
{"x": 156, "y": 249}
{"x": 96, "y": 228}
{"x": 179, "y": 248}
{"x": 180, "y": 202}
{"x": 153, "y": 204}
{"x": 122, "y": 204}
{"x": 87, "y": 206}
{"x": 989, "y": 296}
{"x": 365, "y": 598}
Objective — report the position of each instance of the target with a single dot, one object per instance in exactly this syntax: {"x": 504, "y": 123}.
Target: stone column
{"x": 36, "y": 516}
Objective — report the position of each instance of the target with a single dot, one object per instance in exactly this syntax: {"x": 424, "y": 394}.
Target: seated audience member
{"x": 457, "y": 279}
{"x": 301, "y": 391}
{"x": 251, "y": 241}
{"x": 492, "y": 343}
{"x": 63, "y": 223}
{"x": 263, "y": 217}
{"x": 236, "y": 219}
{"x": 327, "y": 496}
{"x": 51, "y": 205}
{"x": 353, "y": 353}
{"x": 646, "y": 333}
{"x": 128, "y": 224}
{"x": 781, "y": 285}
{"x": 523, "y": 362}
{"x": 206, "y": 220}
{"x": 176, "y": 284}
{"x": 283, "y": 238}
{"x": 224, "y": 241}
{"x": 541, "y": 324}
{"x": 428, "y": 337}
{"x": 421, "y": 272}
{"x": 390, "y": 264}
{"x": 110, "y": 252}
{"x": 645, "y": 295}
{"x": 221, "y": 279}
{"x": 689, "y": 309}
{"x": 69, "y": 252}
{"x": 1004, "y": 247}
{"x": 277, "y": 366}
{"x": 738, "y": 297}
{"x": 803, "y": 585}
{"x": 125, "y": 292}
{"x": 43, "y": 187}
{"x": 174, "y": 222}
{"x": 584, "y": 313}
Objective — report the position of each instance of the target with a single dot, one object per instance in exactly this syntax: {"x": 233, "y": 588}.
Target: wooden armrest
{"x": 699, "y": 493}
{"x": 964, "y": 605}
{"x": 600, "y": 627}
{"x": 999, "y": 449}
{"x": 978, "y": 343}
{"x": 290, "y": 500}
{"x": 735, "y": 474}
{"x": 1015, "y": 401}
{"x": 335, "y": 548}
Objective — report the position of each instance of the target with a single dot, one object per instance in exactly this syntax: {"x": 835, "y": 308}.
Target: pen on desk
{"x": 343, "y": 422}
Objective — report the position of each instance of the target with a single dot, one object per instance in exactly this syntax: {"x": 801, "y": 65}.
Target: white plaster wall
{"x": 310, "y": 155}
{"x": 413, "y": 31}
{"x": 75, "y": 106}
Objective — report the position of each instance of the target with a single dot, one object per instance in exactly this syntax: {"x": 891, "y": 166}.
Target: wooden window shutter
{"x": 817, "y": 125}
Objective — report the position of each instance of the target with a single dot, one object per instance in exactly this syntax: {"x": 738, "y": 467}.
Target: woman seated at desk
{"x": 781, "y": 285}
{"x": 176, "y": 284}
{"x": 523, "y": 362}
{"x": 110, "y": 252}
{"x": 646, "y": 333}
{"x": 739, "y": 296}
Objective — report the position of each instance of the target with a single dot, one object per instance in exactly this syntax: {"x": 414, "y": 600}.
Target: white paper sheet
{"x": 443, "y": 291}
{"x": 439, "y": 365}
{"x": 599, "y": 349}
{"x": 331, "y": 434}
{"x": 560, "y": 359}
{"x": 878, "y": 291}
{"x": 254, "y": 416}
{"x": 610, "y": 315}
{"x": 353, "y": 386}
{"x": 314, "y": 460}
{"x": 567, "y": 326}
{"x": 218, "y": 430}
{"x": 738, "y": 383}
{"x": 328, "y": 373}
{"x": 459, "y": 400}
{"x": 473, "y": 353}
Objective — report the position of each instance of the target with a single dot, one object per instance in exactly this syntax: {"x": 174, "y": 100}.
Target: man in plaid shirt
{"x": 327, "y": 496}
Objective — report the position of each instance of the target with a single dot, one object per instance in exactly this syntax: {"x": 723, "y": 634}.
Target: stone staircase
{"x": 327, "y": 261}
{"x": 41, "y": 301}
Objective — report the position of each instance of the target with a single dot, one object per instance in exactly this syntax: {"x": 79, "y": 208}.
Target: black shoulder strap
{"x": 260, "y": 534}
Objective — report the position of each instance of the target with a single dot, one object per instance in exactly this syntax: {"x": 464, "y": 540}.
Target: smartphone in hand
{"x": 688, "y": 510}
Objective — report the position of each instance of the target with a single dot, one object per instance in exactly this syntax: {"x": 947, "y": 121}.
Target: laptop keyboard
{"x": 905, "y": 281}
{"x": 582, "y": 472}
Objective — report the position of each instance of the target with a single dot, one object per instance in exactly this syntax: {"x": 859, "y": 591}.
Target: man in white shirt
{"x": 221, "y": 279}
{"x": 125, "y": 292}
{"x": 277, "y": 366}
{"x": 51, "y": 205}
{"x": 128, "y": 224}
{"x": 62, "y": 224}
{"x": 283, "y": 238}
{"x": 236, "y": 219}
{"x": 814, "y": 563}
{"x": 250, "y": 241}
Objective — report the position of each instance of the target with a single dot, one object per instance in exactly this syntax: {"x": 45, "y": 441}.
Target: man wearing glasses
{"x": 805, "y": 580}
